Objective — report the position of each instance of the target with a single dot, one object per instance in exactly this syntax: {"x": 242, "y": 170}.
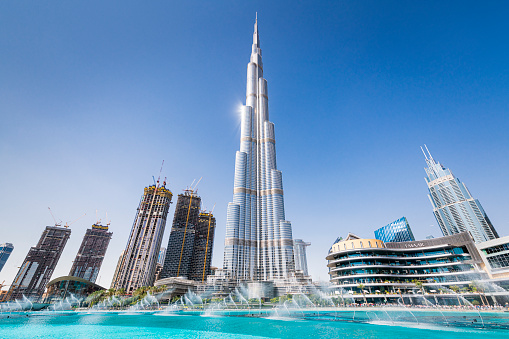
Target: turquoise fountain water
{"x": 153, "y": 325}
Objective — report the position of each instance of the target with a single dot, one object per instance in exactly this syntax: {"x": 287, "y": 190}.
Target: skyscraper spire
{"x": 256, "y": 38}
{"x": 259, "y": 243}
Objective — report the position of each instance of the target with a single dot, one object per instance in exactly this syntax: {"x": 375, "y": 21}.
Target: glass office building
{"x": 454, "y": 207}
{"x": 396, "y": 231}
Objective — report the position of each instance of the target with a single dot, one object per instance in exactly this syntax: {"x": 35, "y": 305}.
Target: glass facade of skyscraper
{"x": 259, "y": 240}
{"x": 454, "y": 207}
{"x": 396, "y": 231}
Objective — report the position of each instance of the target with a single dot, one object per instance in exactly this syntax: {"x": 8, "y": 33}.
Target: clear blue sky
{"x": 94, "y": 95}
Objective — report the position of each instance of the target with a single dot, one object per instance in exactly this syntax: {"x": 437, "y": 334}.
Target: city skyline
{"x": 355, "y": 90}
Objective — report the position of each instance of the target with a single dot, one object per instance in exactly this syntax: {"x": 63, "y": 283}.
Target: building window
{"x": 369, "y": 244}
{"x": 362, "y": 246}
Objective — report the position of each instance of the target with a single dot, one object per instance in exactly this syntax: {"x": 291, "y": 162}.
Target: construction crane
{"x": 55, "y": 220}
{"x": 194, "y": 189}
{"x": 67, "y": 225}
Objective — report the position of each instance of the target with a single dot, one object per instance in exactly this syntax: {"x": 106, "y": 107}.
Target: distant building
{"x": 301, "y": 260}
{"x": 5, "y": 251}
{"x": 203, "y": 246}
{"x": 179, "y": 252}
{"x": 396, "y": 231}
{"x": 117, "y": 269}
{"x": 454, "y": 207}
{"x": 39, "y": 264}
{"x": 90, "y": 256}
{"x": 159, "y": 269}
{"x": 138, "y": 265}
{"x": 162, "y": 255}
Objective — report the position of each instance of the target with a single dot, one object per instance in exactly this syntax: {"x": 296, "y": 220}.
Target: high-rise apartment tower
{"x": 5, "y": 251}
{"x": 454, "y": 207}
{"x": 258, "y": 242}
{"x": 90, "y": 256}
{"x": 138, "y": 265}
{"x": 39, "y": 264}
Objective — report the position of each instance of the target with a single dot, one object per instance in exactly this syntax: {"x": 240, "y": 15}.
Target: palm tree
{"x": 120, "y": 291}
{"x": 361, "y": 287}
{"x": 474, "y": 287}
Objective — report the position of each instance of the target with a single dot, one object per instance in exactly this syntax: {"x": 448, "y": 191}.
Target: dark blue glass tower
{"x": 396, "y": 231}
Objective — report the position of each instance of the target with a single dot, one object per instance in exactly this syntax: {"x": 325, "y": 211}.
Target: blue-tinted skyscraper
{"x": 454, "y": 207}
{"x": 5, "y": 252}
{"x": 396, "y": 231}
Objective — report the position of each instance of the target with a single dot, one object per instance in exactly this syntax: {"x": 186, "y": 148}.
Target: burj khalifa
{"x": 259, "y": 243}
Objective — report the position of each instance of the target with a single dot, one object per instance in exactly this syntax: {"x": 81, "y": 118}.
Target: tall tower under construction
{"x": 138, "y": 265}
{"x": 259, "y": 241}
{"x": 203, "y": 246}
{"x": 179, "y": 252}
{"x": 90, "y": 256}
{"x": 39, "y": 264}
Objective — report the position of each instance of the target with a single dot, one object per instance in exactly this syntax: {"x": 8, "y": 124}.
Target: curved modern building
{"x": 69, "y": 286}
{"x": 396, "y": 267}
{"x": 259, "y": 241}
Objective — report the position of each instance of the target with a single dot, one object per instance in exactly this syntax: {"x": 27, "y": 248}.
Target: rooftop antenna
{"x": 155, "y": 178}
{"x": 108, "y": 222}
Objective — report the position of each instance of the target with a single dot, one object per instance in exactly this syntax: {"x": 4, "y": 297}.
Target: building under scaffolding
{"x": 90, "y": 256}
{"x": 39, "y": 264}
{"x": 138, "y": 264}
{"x": 179, "y": 251}
{"x": 203, "y": 245}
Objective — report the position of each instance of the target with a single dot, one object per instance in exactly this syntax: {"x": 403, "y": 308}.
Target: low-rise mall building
{"x": 386, "y": 272}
